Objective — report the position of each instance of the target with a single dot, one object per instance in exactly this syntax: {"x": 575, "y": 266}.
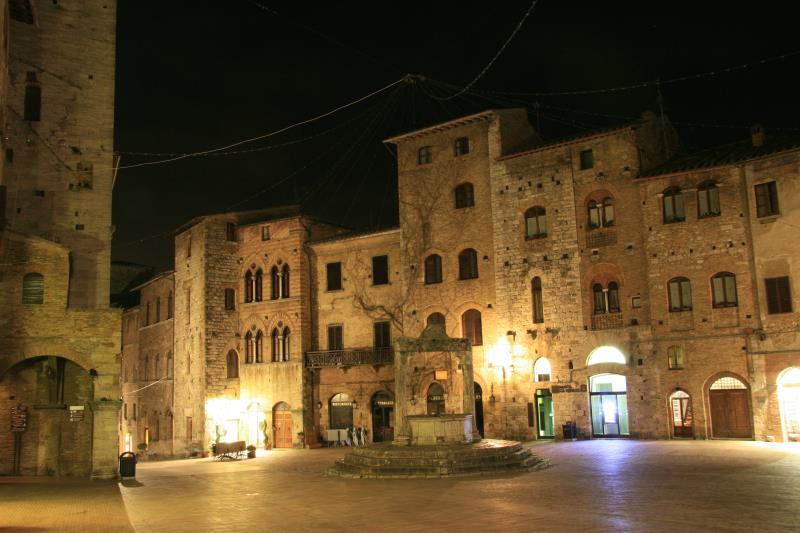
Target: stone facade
{"x": 146, "y": 372}
{"x": 606, "y": 284}
{"x": 60, "y": 341}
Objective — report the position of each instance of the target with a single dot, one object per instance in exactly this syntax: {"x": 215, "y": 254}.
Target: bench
{"x": 230, "y": 450}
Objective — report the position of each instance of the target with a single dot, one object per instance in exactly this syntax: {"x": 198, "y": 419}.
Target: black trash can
{"x": 570, "y": 431}
{"x": 127, "y": 465}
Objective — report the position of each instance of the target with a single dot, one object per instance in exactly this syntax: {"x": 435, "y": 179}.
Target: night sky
{"x": 198, "y": 75}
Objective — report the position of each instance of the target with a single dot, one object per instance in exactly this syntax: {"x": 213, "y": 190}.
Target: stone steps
{"x": 485, "y": 457}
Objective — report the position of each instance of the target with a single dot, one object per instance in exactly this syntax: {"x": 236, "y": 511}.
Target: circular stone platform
{"x": 386, "y": 460}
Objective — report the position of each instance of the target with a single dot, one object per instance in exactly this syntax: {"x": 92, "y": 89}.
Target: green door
{"x": 544, "y": 414}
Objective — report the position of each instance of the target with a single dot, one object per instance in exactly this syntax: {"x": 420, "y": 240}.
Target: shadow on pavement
{"x": 131, "y": 483}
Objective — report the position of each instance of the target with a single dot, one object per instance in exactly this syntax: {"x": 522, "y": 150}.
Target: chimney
{"x": 758, "y": 135}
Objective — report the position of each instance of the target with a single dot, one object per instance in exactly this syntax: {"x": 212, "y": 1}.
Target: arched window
{"x": 285, "y": 281}
{"x": 158, "y": 310}
{"x": 675, "y": 357}
{"x": 723, "y": 290}
{"x": 536, "y": 295}
{"x": 249, "y": 348}
{"x": 170, "y": 368}
{"x": 608, "y": 212}
{"x": 276, "y": 283}
{"x": 605, "y": 354}
{"x": 248, "y": 287}
{"x": 436, "y": 399}
{"x": 465, "y": 195}
{"x": 33, "y": 288}
{"x": 707, "y": 199}
{"x": 232, "y": 364}
{"x": 599, "y": 299}
{"x": 471, "y": 326}
{"x": 536, "y": 223}
{"x": 468, "y": 264}
{"x": 680, "y": 294}
{"x": 276, "y": 346}
{"x": 259, "y": 347}
{"x": 258, "y": 285}
{"x": 170, "y": 305}
{"x": 436, "y": 319}
{"x": 433, "y": 269}
{"x": 613, "y": 297}
{"x": 541, "y": 369}
{"x": 601, "y": 213}
{"x": 728, "y": 383}
{"x": 285, "y": 349}
{"x": 341, "y": 411}
{"x": 672, "y": 202}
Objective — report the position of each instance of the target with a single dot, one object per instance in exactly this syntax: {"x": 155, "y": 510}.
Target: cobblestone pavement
{"x": 591, "y": 486}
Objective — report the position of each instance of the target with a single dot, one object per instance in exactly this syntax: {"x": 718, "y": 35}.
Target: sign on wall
{"x": 19, "y": 418}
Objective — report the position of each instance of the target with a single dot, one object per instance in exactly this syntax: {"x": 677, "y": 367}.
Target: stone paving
{"x": 596, "y": 485}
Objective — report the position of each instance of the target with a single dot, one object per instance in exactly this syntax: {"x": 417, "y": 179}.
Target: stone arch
{"x": 284, "y": 319}
{"x": 709, "y": 407}
{"x": 10, "y": 361}
{"x": 604, "y": 355}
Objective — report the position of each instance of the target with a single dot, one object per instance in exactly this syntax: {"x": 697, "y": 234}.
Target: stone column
{"x": 402, "y": 434}
{"x": 469, "y": 390}
{"x": 105, "y": 446}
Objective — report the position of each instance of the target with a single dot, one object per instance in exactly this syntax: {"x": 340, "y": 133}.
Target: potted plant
{"x": 251, "y": 451}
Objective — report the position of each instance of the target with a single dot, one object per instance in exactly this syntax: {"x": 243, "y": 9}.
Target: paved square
{"x": 591, "y": 486}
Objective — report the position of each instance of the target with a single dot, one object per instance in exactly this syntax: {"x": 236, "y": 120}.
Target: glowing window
{"x": 608, "y": 383}
{"x": 606, "y": 354}
{"x": 542, "y": 369}
{"x": 728, "y": 383}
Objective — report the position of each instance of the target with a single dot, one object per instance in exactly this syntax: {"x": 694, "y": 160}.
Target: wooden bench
{"x": 230, "y": 450}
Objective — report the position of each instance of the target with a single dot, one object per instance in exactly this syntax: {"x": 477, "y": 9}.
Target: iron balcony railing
{"x": 352, "y": 357}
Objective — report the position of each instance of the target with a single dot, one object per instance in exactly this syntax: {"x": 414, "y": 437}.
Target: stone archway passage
{"x": 682, "y": 417}
{"x": 729, "y": 404}
{"x": 789, "y": 401}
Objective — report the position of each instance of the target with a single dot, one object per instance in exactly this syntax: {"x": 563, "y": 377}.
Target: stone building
{"x": 146, "y": 369}
{"x": 59, "y": 340}
{"x": 605, "y": 282}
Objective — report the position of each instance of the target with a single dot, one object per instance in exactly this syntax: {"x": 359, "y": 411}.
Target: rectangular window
{"x": 424, "y": 156}
{"x": 335, "y": 337}
{"x": 33, "y": 102}
{"x": 230, "y": 299}
{"x": 767, "y": 199}
{"x": 264, "y": 233}
{"x": 779, "y": 295}
{"x": 334, "y": 274}
{"x": 587, "y": 159}
{"x": 636, "y": 302}
{"x": 230, "y": 232}
{"x": 382, "y": 338}
{"x": 380, "y": 270}
{"x": 461, "y": 146}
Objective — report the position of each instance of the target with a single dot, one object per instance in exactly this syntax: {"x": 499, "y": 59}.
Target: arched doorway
{"x": 680, "y": 404}
{"x": 282, "y": 425}
{"x": 609, "y": 405}
{"x": 729, "y": 402}
{"x": 436, "y": 399}
{"x": 789, "y": 402}
{"x": 341, "y": 411}
{"x": 479, "y": 409}
{"x": 51, "y": 424}
{"x": 382, "y": 417}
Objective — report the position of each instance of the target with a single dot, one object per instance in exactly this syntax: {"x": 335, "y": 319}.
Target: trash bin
{"x": 127, "y": 465}
{"x": 570, "y": 431}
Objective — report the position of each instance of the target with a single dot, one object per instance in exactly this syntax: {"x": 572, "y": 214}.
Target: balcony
{"x": 607, "y": 321}
{"x": 353, "y": 357}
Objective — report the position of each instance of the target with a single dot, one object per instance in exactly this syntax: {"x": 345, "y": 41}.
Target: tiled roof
{"x": 726, "y": 154}
{"x": 355, "y": 235}
{"x": 533, "y": 144}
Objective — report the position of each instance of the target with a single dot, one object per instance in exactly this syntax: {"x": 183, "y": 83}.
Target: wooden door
{"x": 283, "y": 429}
{"x": 730, "y": 415}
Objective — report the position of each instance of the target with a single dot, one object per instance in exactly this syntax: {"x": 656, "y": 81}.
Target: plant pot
{"x": 251, "y": 454}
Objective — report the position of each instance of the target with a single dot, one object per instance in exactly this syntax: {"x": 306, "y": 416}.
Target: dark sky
{"x": 198, "y": 75}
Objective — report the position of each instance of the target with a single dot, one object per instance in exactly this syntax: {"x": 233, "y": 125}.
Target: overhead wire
{"x": 485, "y": 69}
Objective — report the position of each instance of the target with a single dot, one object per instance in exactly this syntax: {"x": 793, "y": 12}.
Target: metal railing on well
{"x": 352, "y": 357}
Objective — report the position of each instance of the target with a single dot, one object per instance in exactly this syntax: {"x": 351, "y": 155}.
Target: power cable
{"x": 270, "y": 134}
{"x": 469, "y": 85}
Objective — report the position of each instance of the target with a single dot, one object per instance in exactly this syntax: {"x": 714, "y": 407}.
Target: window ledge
{"x": 709, "y": 215}
{"x": 535, "y": 237}
{"x": 335, "y": 290}
{"x": 676, "y": 221}
{"x": 769, "y": 218}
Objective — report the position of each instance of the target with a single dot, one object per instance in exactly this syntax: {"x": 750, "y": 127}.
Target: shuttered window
{"x": 33, "y": 288}
{"x": 767, "y": 199}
